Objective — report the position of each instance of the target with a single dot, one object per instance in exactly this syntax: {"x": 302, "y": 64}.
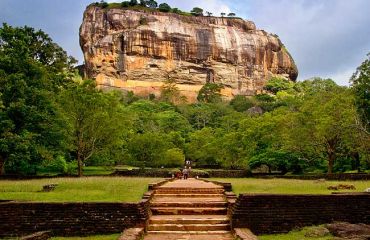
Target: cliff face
{"x": 138, "y": 51}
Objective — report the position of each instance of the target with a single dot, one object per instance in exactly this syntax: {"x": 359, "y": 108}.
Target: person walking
{"x": 185, "y": 173}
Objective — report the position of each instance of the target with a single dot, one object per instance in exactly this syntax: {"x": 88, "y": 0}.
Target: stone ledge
{"x": 132, "y": 234}
{"x": 244, "y": 234}
{"x": 37, "y": 236}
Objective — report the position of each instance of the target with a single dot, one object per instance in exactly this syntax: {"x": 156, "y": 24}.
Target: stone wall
{"x": 69, "y": 219}
{"x": 268, "y": 213}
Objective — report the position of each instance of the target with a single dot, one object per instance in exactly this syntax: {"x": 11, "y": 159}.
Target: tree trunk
{"x": 80, "y": 165}
{"x": 2, "y": 166}
{"x": 331, "y": 159}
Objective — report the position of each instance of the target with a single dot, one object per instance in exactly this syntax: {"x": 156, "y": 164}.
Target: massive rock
{"x": 139, "y": 50}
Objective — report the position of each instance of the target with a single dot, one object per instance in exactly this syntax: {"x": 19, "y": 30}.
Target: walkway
{"x": 189, "y": 210}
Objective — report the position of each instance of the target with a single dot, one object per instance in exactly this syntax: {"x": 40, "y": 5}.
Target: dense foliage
{"x": 152, "y": 5}
{"x": 52, "y": 119}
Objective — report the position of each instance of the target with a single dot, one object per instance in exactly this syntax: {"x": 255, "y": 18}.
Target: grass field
{"x": 99, "y": 237}
{"x": 131, "y": 189}
{"x": 295, "y": 235}
{"x": 288, "y": 186}
{"x": 93, "y": 189}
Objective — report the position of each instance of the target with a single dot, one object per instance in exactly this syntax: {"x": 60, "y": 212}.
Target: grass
{"x": 294, "y": 235}
{"x": 87, "y": 189}
{"x": 288, "y": 186}
{"x": 98, "y": 237}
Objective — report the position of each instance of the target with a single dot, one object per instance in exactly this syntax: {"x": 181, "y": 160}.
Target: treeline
{"x": 153, "y": 5}
{"x": 52, "y": 119}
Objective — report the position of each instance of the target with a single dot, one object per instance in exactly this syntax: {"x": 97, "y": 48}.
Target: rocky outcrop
{"x": 139, "y": 50}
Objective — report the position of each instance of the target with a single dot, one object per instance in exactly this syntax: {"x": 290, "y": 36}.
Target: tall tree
{"x": 32, "y": 69}
{"x": 210, "y": 93}
{"x": 94, "y": 118}
{"x": 197, "y": 11}
{"x": 361, "y": 86}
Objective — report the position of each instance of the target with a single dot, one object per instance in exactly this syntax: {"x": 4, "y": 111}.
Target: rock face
{"x": 139, "y": 50}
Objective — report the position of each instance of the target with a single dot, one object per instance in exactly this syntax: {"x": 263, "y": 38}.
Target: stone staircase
{"x": 189, "y": 209}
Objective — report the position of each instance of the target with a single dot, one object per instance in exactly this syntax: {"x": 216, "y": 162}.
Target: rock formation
{"x": 139, "y": 50}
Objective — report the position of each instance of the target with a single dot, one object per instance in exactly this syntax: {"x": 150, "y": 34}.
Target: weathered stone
{"x": 123, "y": 51}
{"x": 317, "y": 232}
{"x": 350, "y": 231}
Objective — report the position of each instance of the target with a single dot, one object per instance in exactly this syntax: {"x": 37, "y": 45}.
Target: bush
{"x": 173, "y": 157}
{"x": 241, "y": 103}
{"x": 125, "y": 4}
{"x": 164, "y": 7}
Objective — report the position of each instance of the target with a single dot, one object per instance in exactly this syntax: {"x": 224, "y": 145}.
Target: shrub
{"x": 164, "y": 7}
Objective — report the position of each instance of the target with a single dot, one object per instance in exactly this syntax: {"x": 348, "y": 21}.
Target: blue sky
{"x": 327, "y": 38}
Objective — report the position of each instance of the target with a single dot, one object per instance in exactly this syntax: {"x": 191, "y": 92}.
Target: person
{"x": 185, "y": 172}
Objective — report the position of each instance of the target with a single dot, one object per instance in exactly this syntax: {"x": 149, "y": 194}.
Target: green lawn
{"x": 99, "y": 237}
{"x": 87, "y": 189}
{"x": 294, "y": 235}
{"x": 288, "y": 186}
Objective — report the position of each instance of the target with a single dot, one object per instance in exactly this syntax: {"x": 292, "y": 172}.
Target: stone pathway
{"x": 189, "y": 210}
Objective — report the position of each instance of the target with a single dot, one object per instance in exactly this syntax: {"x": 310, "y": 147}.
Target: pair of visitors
{"x": 185, "y": 173}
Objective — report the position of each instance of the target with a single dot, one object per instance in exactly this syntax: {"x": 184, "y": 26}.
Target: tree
{"x": 241, "y": 103}
{"x": 209, "y": 14}
{"x": 276, "y": 84}
{"x": 210, "y": 93}
{"x": 223, "y": 14}
{"x": 197, "y": 11}
{"x": 324, "y": 124}
{"x": 32, "y": 70}
{"x": 170, "y": 92}
{"x": 103, "y": 4}
{"x": 176, "y": 10}
{"x": 164, "y": 7}
{"x": 173, "y": 157}
{"x": 199, "y": 148}
{"x": 360, "y": 83}
{"x": 133, "y": 2}
{"x": 125, "y": 4}
{"x": 231, "y": 15}
{"x": 94, "y": 119}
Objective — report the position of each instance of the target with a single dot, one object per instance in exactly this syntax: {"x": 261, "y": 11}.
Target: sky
{"x": 327, "y": 38}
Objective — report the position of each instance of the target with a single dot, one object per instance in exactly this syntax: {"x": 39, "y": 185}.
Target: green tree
{"x": 197, "y": 11}
{"x": 147, "y": 149}
{"x": 94, "y": 119}
{"x": 171, "y": 93}
{"x": 241, "y": 103}
{"x": 32, "y": 69}
{"x": 223, "y": 14}
{"x": 210, "y": 93}
{"x": 164, "y": 7}
{"x": 276, "y": 84}
{"x": 199, "y": 148}
{"x": 173, "y": 157}
{"x": 125, "y": 4}
{"x": 133, "y": 3}
{"x": 324, "y": 124}
{"x": 209, "y": 14}
{"x": 231, "y": 15}
{"x": 360, "y": 83}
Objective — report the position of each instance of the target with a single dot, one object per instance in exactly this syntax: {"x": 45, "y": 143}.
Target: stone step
{"x": 188, "y": 199}
{"x": 185, "y": 236}
{"x": 190, "y": 190}
{"x": 190, "y": 195}
{"x": 190, "y": 204}
{"x": 188, "y": 227}
{"x": 190, "y": 232}
{"x": 189, "y": 211}
{"x": 189, "y": 219}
